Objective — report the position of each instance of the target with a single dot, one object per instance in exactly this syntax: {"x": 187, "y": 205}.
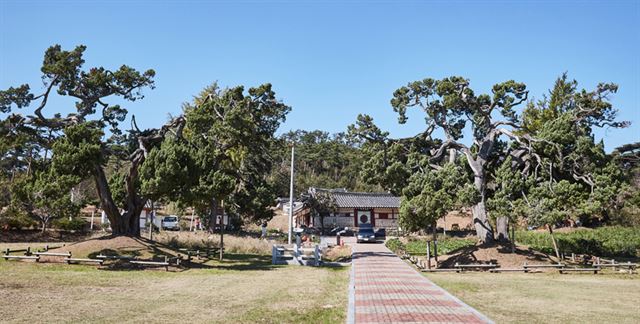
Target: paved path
{"x": 384, "y": 289}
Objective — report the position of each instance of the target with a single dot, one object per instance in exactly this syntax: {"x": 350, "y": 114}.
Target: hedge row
{"x": 613, "y": 241}
{"x": 419, "y": 247}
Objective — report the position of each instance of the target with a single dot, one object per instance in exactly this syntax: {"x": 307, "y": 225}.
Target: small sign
{"x": 225, "y": 218}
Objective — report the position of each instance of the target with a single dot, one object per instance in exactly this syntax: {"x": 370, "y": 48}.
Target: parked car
{"x": 366, "y": 234}
{"x": 310, "y": 230}
{"x": 343, "y": 231}
{"x": 170, "y": 223}
{"x": 381, "y": 233}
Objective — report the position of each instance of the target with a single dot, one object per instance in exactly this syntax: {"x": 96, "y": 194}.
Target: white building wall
{"x": 333, "y": 221}
{"x": 387, "y": 223}
{"x": 341, "y": 221}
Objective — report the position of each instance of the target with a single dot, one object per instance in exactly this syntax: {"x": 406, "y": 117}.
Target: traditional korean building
{"x": 380, "y": 210}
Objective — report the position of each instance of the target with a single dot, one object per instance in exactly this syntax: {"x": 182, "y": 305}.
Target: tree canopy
{"x": 542, "y": 161}
{"x": 219, "y": 149}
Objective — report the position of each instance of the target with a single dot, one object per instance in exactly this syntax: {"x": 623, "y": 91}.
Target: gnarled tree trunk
{"x": 127, "y": 223}
{"x": 502, "y": 228}
{"x": 481, "y": 222}
{"x": 484, "y": 231}
{"x": 553, "y": 240}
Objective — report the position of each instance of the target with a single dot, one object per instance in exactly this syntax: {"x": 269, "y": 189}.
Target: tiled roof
{"x": 345, "y": 199}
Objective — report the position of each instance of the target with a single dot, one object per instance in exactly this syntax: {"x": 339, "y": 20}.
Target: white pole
{"x": 93, "y": 213}
{"x": 291, "y": 195}
{"x": 71, "y": 201}
{"x": 152, "y": 215}
{"x": 193, "y": 212}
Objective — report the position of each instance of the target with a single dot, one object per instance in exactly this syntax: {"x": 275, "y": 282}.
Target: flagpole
{"x": 291, "y": 196}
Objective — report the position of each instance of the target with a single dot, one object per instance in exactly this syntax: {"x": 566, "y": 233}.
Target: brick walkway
{"x": 384, "y": 289}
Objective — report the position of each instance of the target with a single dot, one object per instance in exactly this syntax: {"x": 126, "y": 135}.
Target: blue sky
{"x": 331, "y": 60}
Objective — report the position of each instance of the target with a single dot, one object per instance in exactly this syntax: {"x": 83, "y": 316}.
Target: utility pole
{"x": 222, "y": 232}
{"x": 293, "y": 148}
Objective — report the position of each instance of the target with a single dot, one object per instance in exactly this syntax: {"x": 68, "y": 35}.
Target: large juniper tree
{"x": 225, "y": 152}
{"x": 90, "y": 135}
{"x": 553, "y": 141}
{"x": 449, "y": 105}
{"x": 569, "y": 163}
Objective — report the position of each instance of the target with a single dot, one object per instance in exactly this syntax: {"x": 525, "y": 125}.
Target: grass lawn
{"x": 547, "y": 297}
{"x": 244, "y": 288}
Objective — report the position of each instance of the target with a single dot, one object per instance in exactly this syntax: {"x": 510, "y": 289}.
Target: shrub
{"x": 395, "y": 245}
{"x": 73, "y": 224}
{"x": 445, "y": 246}
{"x": 14, "y": 219}
{"x": 418, "y": 246}
{"x": 613, "y": 241}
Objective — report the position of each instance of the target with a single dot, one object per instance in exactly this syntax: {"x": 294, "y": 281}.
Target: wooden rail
{"x": 151, "y": 263}
{"x": 60, "y": 254}
{"x": 565, "y": 270}
{"x": 496, "y": 270}
{"x": 115, "y": 257}
{"x": 21, "y": 257}
{"x": 559, "y": 265}
{"x": 78, "y": 260}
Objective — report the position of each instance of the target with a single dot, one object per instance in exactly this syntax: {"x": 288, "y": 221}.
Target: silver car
{"x": 170, "y": 223}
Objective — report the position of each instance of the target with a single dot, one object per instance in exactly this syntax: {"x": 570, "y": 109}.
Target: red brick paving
{"x": 387, "y": 290}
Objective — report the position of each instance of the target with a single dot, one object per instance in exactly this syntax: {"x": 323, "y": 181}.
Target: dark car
{"x": 366, "y": 234}
{"x": 381, "y": 233}
{"x": 343, "y": 231}
{"x": 310, "y": 230}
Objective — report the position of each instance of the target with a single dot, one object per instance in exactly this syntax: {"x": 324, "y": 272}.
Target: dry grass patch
{"x": 547, "y": 297}
{"x": 236, "y": 291}
{"x": 338, "y": 254}
{"x": 203, "y": 240}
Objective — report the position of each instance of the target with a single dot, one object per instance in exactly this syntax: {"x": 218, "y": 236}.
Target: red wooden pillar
{"x": 355, "y": 217}
{"x": 373, "y": 217}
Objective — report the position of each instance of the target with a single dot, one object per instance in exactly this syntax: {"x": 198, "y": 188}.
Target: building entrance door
{"x": 364, "y": 217}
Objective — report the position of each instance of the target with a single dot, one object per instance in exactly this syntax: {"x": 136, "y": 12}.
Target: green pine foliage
{"x": 322, "y": 160}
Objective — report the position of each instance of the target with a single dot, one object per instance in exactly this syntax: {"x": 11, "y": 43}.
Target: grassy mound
{"x": 118, "y": 245}
{"x": 495, "y": 254}
{"x": 466, "y": 251}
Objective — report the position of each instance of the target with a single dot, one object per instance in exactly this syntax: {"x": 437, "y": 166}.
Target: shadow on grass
{"x": 159, "y": 251}
{"x": 466, "y": 255}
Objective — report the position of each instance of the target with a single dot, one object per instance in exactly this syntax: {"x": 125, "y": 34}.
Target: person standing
{"x": 264, "y": 230}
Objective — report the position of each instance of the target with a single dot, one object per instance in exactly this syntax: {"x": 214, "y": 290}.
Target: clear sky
{"x": 331, "y": 60}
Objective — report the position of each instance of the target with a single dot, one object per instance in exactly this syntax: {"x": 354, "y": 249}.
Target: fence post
{"x": 274, "y": 250}
{"x": 317, "y": 255}
{"x": 428, "y": 254}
